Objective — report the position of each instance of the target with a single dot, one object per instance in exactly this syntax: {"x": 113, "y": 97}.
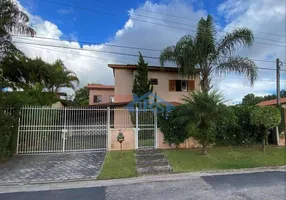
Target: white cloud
{"x": 91, "y": 66}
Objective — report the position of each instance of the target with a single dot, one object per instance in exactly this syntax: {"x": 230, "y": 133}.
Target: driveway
{"x": 51, "y": 167}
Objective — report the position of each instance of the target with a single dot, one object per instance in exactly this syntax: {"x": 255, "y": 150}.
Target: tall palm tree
{"x": 208, "y": 53}
{"x": 12, "y": 20}
{"x": 59, "y": 76}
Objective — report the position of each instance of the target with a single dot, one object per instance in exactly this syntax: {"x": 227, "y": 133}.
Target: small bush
{"x": 6, "y": 134}
{"x": 174, "y": 131}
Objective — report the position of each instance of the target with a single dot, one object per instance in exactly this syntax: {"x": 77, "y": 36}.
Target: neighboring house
{"x": 167, "y": 84}
{"x": 272, "y": 102}
{"x": 99, "y": 93}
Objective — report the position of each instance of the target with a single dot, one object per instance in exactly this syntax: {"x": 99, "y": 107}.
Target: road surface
{"x": 250, "y": 186}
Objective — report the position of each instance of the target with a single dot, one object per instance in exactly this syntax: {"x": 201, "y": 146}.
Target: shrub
{"x": 6, "y": 133}
{"x": 174, "y": 131}
{"x": 265, "y": 118}
{"x": 235, "y": 129}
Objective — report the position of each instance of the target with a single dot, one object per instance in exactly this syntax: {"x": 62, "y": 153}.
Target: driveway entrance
{"x": 51, "y": 167}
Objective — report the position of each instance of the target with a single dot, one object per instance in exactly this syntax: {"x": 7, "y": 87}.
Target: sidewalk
{"x": 127, "y": 181}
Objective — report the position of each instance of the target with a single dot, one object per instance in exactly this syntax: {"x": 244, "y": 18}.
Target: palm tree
{"x": 59, "y": 76}
{"x": 200, "y": 111}
{"x": 12, "y": 20}
{"x": 208, "y": 54}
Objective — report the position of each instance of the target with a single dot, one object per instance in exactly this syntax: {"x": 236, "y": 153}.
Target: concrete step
{"x": 154, "y": 156}
{"x": 154, "y": 170}
{"x": 148, "y": 151}
{"x": 146, "y": 163}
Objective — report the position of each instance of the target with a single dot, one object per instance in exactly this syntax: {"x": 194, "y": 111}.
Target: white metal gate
{"x": 51, "y": 130}
{"x": 147, "y": 128}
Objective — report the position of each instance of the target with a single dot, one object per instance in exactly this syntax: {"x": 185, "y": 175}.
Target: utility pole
{"x": 278, "y": 94}
{"x": 278, "y": 81}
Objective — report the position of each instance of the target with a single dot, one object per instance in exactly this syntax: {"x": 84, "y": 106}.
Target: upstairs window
{"x": 111, "y": 99}
{"x": 153, "y": 81}
{"x": 97, "y": 99}
{"x": 181, "y": 85}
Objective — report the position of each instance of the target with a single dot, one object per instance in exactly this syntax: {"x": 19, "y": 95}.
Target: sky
{"x": 98, "y": 25}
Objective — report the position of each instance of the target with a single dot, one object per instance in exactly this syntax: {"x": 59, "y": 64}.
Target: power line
{"x": 92, "y": 43}
{"x": 140, "y": 20}
{"x": 160, "y": 13}
{"x": 120, "y": 46}
{"x": 117, "y": 61}
{"x": 126, "y": 54}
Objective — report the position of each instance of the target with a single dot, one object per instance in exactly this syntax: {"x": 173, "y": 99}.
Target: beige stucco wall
{"x": 124, "y": 83}
{"x": 129, "y": 139}
{"x": 105, "y": 93}
{"x": 189, "y": 143}
{"x": 162, "y": 89}
{"x": 122, "y": 118}
{"x": 58, "y": 105}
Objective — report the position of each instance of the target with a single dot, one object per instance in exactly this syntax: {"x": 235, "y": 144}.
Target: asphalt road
{"x": 250, "y": 186}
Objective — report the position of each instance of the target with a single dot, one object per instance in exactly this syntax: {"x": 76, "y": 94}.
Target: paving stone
{"x": 51, "y": 167}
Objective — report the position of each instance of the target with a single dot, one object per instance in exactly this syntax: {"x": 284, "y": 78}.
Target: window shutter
{"x": 191, "y": 85}
{"x": 172, "y": 85}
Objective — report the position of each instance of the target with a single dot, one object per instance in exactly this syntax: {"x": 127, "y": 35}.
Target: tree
{"x": 12, "y": 20}
{"x": 200, "y": 111}
{"x": 81, "y": 97}
{"x": 265, "y": 118}
{"x": 141, "y": 84}
{"x": 251, "y": 100}
{"x": 174, "y": 131}
{"x": 60, "y": 76}
{"x": 208, "y": 54}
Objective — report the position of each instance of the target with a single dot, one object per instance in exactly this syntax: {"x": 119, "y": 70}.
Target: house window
{"x": 153, "y": 81}
{"x": 97, "y": 99}
{"x": 181, "y": 85}
{"x": 111, "y": 99}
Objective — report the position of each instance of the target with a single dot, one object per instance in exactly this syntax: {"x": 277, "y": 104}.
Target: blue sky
{"x": 67, "y": 23}
{"x": 99, "y": 27}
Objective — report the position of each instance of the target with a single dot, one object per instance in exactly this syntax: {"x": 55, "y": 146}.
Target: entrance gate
{"x": 54, "y": 130}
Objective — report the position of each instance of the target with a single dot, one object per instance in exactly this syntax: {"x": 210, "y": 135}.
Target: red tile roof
{"x": 272, "y": 102}
{"x": 100, "y": 86}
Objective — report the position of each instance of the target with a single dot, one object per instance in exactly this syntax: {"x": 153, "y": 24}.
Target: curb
{"x": 83, "y": 183}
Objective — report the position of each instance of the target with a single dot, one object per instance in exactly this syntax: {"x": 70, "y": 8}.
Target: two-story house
{"x": 166, "y": 81}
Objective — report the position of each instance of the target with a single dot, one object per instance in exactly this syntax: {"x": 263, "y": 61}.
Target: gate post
{"x": 136, "y": 129}
{"x": 108, "y": 145}
{"x": 18, "y": 133}
{"x": 64, "y": 131}
{"x": 155, "y": 126}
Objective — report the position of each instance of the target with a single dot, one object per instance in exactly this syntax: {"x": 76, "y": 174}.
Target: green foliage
{"x": 141, "y": 84}
{"x": 235, "y": 128}
{"x": 26, "y": 73}
{"x": 6, "y": 133}
{"x": 200, "y": 113}
{"x": 174, "y": 131}
{"x": 209, "y": 52}
{"x": 81, "y": 97}
{"x": 12, "y": 20}
{"x": 251, "y": 100}
{"x": 265, "y": 118}
{"x": 120, "y": 137}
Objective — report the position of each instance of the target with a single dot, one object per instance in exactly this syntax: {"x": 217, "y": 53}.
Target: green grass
{"x": 186, "y": 160}
{"x": 117, "y": 167}
{"x": 146, "y": 142}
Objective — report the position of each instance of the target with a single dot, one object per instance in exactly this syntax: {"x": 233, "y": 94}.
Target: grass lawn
{"x": 186, "y": 160}
{"x": 117, "y": 167}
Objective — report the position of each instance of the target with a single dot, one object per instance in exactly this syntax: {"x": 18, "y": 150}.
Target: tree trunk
{"x": 204, "y": 150}
{"x": 263, "y": 144}
{"x": 205, "y": 83}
